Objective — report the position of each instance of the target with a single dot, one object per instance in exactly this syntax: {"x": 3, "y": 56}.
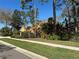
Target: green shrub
{"x": 32, "y": 35}
{"x": 16, "y": 33}
{"x": 66, "y": 37}
{"x": 75, "y": 37}
{"x": 6, "y": 31}
{"x": 27, "y": 35}
{"x": 53, "y": 37}
{"x": 16, "y": 36}
{"x": 24, "y": 35}
{"x": 43, "y": 35}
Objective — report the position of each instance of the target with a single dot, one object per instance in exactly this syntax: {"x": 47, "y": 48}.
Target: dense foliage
{"x": 6, "y": 31}
{"x": 52, "y": 29}
{"x": 16, "y": 20}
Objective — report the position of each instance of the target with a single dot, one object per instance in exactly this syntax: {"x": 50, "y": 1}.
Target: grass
{"x": 50, "y": 52}
{"x": 68, "y": 43}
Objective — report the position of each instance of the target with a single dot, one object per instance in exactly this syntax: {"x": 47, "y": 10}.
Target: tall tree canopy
{"x": 5, "y": 16}
{"x": 16, "y": 20}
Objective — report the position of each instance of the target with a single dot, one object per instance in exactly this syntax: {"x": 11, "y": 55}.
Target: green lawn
{"x": 50, "y": 52}
{"x": 69, "y": 43}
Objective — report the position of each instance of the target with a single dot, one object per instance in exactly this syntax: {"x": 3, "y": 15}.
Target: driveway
{"x": 7, "y": 52}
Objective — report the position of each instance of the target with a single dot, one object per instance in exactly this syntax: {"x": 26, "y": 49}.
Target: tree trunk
{"x": 6, "y": 23}
{"x": 54, "y": 14}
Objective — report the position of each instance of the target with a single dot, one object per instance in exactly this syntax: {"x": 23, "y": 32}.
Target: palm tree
{"x": 54, "y": 14}
{"x": 24, "y": 2}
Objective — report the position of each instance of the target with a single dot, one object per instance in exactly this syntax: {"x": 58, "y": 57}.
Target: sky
{"x": 45, "y": 11}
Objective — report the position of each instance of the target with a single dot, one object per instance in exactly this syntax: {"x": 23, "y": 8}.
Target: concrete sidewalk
{"x": 25, "y": 52}
{"x": 50, "y": 44}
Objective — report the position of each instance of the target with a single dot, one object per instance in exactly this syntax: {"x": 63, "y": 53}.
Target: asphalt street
{"x": 9, "y": 53}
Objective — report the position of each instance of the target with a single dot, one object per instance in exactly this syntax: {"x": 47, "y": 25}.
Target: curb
{"x": 25, "y": 52}
{"x": 50, "y": 44}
